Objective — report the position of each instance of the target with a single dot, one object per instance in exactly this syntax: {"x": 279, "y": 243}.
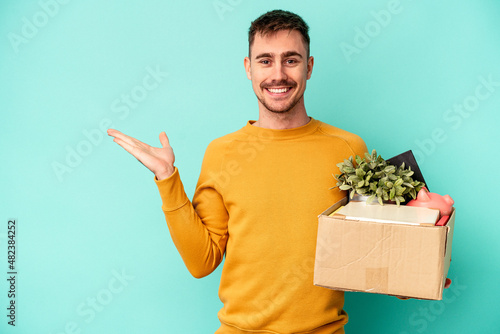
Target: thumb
{"x": 164, "y": 139}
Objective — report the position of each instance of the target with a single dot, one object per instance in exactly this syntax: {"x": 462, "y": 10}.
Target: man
{"x": 259, "y": 193}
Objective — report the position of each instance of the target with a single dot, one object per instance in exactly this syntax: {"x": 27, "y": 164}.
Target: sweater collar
{"x": 272, "y": 134}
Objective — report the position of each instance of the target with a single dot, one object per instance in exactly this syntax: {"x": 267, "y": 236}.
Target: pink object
{"x": 433, "y": 201}
{"x": 443, "y": 221}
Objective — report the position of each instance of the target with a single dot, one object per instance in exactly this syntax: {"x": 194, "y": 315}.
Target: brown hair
{"x": 276, "y": 20}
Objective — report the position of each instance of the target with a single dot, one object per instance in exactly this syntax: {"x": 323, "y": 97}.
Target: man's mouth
{"x": 279, "y": 90}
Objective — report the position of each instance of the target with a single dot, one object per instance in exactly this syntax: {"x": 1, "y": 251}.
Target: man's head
{"x": 277, "y": 20}
{"x": 279, "y": 63}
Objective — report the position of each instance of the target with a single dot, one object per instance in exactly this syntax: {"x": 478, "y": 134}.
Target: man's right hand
{"x": 159, "y": 160}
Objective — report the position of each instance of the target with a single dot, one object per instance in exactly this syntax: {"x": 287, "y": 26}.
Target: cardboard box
{"x": 387, "y": 258}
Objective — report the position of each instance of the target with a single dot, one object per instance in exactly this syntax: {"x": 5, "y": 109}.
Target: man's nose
{"x": 279, "y": 72}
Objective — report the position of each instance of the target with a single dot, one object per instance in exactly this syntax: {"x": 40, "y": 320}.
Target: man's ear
{"x": 310, "y": 64}
{"x": 246, "y": 62}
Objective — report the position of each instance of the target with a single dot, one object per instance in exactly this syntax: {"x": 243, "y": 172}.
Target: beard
{"x": 281, "y": 110}
{"x": 285, "y": 108}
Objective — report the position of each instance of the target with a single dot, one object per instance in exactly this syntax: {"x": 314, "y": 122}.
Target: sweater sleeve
{"x": 358, "y": 146}
{"x": 198, "y": 231}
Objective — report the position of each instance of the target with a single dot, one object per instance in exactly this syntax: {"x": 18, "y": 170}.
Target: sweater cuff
{"x": 172, "y": 192}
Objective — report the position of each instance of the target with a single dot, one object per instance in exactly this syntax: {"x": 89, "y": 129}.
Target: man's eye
{"x": 290, "y": 61}
{"x": 265, "y": 62}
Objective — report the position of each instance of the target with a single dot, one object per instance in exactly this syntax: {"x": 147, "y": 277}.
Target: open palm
{"x": 159, "y": 160}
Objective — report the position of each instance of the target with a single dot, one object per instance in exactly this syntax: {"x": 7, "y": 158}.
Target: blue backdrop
{"x": 93, "y": 253}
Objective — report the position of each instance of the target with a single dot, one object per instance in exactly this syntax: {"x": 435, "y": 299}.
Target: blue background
{"x": 397, "y": 80}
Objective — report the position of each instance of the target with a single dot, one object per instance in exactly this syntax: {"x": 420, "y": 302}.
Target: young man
{"x": 259, "y": 193}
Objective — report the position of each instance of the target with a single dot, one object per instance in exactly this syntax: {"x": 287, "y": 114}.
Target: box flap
{"x": 334, "y": 207}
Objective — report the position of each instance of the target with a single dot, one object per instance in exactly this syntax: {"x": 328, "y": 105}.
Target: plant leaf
{"x": 371, "y": 198}
{"x": 390, "y": 169}
{"x": 360, "y": 172}
{"x": 380, "y": 200}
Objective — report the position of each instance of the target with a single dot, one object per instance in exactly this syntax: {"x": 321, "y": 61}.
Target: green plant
{"x": 374, "y": 177}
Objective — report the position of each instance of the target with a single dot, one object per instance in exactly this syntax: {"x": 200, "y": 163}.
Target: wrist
{"x": 167, "y": 172}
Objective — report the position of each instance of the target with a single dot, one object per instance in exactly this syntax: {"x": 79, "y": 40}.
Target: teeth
{"x": 281, "y": 90}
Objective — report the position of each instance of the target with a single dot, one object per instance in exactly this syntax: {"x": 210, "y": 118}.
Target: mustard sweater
{"x": 257, "y": 201}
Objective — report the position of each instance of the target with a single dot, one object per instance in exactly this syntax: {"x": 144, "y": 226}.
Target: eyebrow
{"x": 284, "y": 55}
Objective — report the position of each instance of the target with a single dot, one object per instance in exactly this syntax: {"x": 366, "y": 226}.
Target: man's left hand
{"x": 446, "y": 286}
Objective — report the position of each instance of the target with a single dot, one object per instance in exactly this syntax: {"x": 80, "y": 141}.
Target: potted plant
{"x": 374, "y": 177}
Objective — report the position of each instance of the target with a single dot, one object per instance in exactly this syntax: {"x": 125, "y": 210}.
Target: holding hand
{"x": 159, "y": 160}
{"x": 446, "y": 286}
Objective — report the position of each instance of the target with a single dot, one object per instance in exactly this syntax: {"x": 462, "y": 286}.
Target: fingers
{"x": 117, "y": 134}
{"x": 164, "y": 139}
{"x": 127, "y": 139}
{"x": 113, "y": 132}
{"x": 143, "y": 152}
{"x": 123, "y": 137}
{"x": 402, "y": 297}
{"x": 129, "y": 148}
{"x": 130, "y": 144}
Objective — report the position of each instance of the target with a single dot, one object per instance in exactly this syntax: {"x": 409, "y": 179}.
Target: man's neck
{"x": 282, "y": 121}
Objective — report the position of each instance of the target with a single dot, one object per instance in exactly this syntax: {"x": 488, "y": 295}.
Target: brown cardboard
{"x": 387, "y": 258}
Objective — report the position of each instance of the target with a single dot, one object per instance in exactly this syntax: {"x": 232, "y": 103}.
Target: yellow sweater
{"x": 257, "y": 201}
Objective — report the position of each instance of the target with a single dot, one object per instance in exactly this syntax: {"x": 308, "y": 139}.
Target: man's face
{"x": 279, "y": 69}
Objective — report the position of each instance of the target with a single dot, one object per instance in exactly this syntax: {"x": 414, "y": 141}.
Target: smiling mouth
{"x": 279, "y": 90}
